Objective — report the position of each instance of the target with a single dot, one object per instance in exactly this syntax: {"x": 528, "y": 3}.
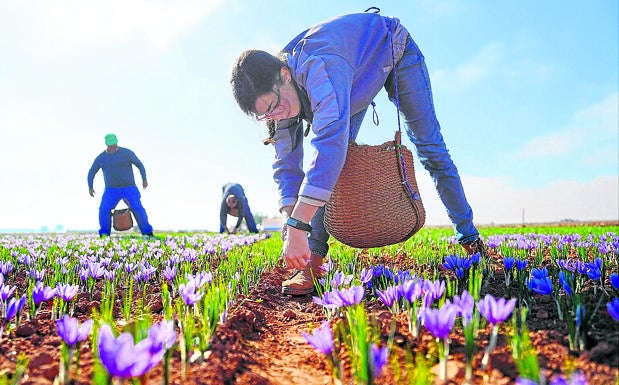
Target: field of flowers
{"x": 542, "y": 307}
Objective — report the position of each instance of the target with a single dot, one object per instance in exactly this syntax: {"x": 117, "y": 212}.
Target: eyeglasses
{"x": 275, "y": 110}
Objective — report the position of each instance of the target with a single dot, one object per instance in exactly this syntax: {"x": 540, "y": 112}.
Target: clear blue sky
{"x": 526, "y": 92}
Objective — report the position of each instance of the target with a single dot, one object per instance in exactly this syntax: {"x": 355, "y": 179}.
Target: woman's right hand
{"x": 296, "y": 252}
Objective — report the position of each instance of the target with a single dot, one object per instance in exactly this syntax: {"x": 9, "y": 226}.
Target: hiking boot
{"x": 302, "y": 281}
{"x": 477, "y": 246}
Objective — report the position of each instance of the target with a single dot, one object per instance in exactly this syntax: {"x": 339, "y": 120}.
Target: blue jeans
{"x": 424, "y": 130}
{"x": 109, "y": 200}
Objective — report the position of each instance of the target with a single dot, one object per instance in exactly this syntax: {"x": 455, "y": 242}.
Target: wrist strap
{"x": 297, "y": 224}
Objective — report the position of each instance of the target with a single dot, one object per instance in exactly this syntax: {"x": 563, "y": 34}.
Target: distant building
{"x": 271, "y": 224}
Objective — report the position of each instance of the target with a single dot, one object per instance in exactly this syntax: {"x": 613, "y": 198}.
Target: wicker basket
{"x": 122, "y": 219}
{"x": 373, "y": 205}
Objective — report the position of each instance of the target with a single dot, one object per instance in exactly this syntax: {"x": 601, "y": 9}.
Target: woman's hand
{"x": 296, "y": 252}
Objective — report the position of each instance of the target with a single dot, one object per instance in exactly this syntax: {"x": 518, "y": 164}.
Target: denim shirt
{"x": 339, "y": 66}
{"x": 117, "y": 168}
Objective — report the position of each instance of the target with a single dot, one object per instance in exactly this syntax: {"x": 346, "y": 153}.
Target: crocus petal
{"x": 613, "y": 308}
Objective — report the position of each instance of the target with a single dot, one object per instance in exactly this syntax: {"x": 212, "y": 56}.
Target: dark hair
{"x": 254, "y": 73}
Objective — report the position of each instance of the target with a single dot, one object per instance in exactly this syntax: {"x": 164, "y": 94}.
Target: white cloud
{"x": 497, "y": 201}
{"x": 479, "y": 67}
{"x": 594, "y": 128}
{"x": 89, "y": 22}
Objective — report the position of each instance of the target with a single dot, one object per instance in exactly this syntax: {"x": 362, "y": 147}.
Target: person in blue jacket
{"x": 234, "y": 202}
{"x": 328, "y": 75}
{"x": 117, "y": 165}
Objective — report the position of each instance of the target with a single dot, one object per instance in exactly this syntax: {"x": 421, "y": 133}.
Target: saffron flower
{"x": 6, "y": 291}
{"x": 613, "y": 308}
{"x": 463, "y": 305}
{"x": 542, "y": 285}
{"x": 525, "y": 381}
{"x": 330, "y": 300}
{"x": 614, "y": 280}
{"x": 378, "y": 359}
{"x": 576, "y": 378}
{"x": 495, "y": 310}
{"x": 188, "y": 293}
{"x": 439, "y": 322}
{"x": 564, "y": 280}
{"x": 340, "y": 279}
{"x": 66, "y": 292}
{"x": 508, "y": 262}
{"x": 521, "y": 264}
{"x": 390, "y": 297}
{"x": 351, "y": 296}
{"x": 14, "y": 307}
{"x": 321, "y": 339}
{"x": 163, "y": 337}
{"x": 411, "y": 289}
{"x": 70, "y": 330}
{"x": 169, "y": 273}
{"x": 41, "y": 293}
{"x": 121, "y": 357}
{"x": 366, "y": 276}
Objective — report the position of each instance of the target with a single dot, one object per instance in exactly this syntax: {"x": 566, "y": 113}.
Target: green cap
{"x": 110, "y": 139}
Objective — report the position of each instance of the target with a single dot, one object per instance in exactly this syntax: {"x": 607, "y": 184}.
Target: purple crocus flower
{"x": 613, "y": 308}
{"x": 521, "y": 264}
{"x": 95, "y": 270}
{"x": 110, "y": 275}
{"x": 565, "y": 282}
{"x": 576, "y": 378}
{"x": 169, "y": 273}
{"x": 495, "y": 310}
{"x": 121, "y": 357}
{"x": 464, "y": 304}
{"x": 539, "y": 273}
{"x": 452, "y": 262}
{"x": 439, "y": 322}
{"x": 6, "y": 291}
{"x": 541, "y": 286}
{"x": 525, "y": 381}
{"x": 378, "y": 359}
{"x": 14, "y": 307}
{"x": 328, "y": 266}
{"x": 37, "y": 275}
{"x": 434, "y": 289}
{"x": 614, "y": 280}
{"x": 340, "y": 279}
{"x": 188, "y": 292}
{"x": 565, "y": 264}
{"x": 366, "y": 276}
{"x": 66, "y": 292}
{"x": 411, "y": 289}
{"x": 390, "y": 295}
{"x": 508, "y": 262}
{"x": 330, "y": 300}
{"x": 6, "y": 267}
{"x": 351, "y": 296}
{"x": 163, "y": 337}
{"x": 71, "y": 331}
{"x": 41, "y": 293}
{"x": 321, "y": 339}
{"x": 581, "y": 267}
{"x": 201, "y": 278}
